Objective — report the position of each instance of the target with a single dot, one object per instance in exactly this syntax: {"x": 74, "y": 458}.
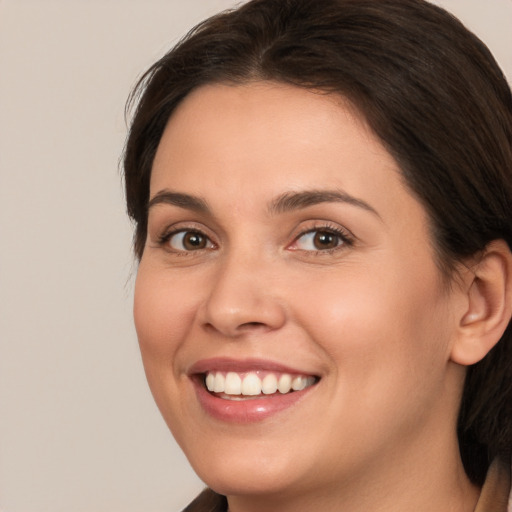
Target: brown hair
{"x": 428, "y": 88}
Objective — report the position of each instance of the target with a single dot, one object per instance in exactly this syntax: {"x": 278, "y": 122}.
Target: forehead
{"x": 239, "y": 149}
{"x": 254, "y": 141}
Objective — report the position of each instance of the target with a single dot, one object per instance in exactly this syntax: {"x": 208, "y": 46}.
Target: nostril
{"x": 237, "y": 330}
{"x": 251, "y": 325}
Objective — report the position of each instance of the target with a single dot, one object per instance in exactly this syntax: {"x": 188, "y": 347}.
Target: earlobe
{"x": 489, "y": 305}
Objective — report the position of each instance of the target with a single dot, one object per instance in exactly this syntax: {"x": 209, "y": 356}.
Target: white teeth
{"x": 269, "y": 384}
{"x": 210, "y": 381}
{"x": 301, "y": 382}
{"x": 285, "y": 383}
{"x": 219, "y": 385}
{"x": 250, "y": 384}
{"x": 298, "y": 383}
{"x": 233, "y": 384}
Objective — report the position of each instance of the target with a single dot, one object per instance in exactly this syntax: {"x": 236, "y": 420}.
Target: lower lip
{"x": 247, "y": 411}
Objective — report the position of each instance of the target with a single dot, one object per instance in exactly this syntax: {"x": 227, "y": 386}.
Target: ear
{"x": 488, "y": 309}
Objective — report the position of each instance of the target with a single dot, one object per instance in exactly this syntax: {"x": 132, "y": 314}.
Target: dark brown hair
{"x": 429, "y": 89}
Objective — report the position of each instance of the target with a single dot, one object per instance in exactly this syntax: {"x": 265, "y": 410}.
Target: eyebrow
{"x": 289, "y": 201}
{"x": 185, "y": 201}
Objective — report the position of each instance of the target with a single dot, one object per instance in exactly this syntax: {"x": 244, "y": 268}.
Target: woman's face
{"x": 284, "y": 250}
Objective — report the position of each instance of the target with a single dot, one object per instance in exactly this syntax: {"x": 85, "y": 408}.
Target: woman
{"x": 322, "y": 196}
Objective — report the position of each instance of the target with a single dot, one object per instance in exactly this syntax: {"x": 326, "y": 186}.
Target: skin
{"x": 372, "y": 317}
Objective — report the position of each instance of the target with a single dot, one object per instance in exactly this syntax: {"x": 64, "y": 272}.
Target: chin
{"x": 247, "y": 481}
{"x": 249, "y": 472}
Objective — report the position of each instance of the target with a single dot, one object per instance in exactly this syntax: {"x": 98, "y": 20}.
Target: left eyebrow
{"x": 291, "y": 201}
{"x": 185, "y": 201}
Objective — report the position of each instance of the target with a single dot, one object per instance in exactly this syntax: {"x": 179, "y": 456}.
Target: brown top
{"x": 496, "y": 495}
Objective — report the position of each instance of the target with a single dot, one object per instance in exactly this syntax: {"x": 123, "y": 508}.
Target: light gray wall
{"x": 78, "y": 429}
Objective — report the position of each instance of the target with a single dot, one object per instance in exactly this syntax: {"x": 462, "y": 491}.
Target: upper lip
{"x": 227, "y": 364}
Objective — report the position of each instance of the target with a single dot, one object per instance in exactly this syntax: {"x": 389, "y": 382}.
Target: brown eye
{"x": 325, "y": 240}
{"x": 319, "y": 240}
{"x": 189, "y": 241}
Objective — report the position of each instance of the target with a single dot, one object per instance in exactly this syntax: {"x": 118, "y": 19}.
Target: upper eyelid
{"x": 326, "y": 226}
{"x": 184, "y": 231}
{"x": 180, "y": 226}
{"x": 161, "y": 226}
{"x": 167, "y": 234}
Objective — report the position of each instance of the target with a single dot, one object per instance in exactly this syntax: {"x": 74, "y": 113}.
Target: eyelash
{"x": 166, "y": 238}
{"x": 345, "y": 239}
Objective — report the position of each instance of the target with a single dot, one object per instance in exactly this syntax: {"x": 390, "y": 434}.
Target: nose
{"x": 242, "y": 299}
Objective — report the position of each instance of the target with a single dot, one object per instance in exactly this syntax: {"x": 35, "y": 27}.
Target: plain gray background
{"x": 78, "y": 429}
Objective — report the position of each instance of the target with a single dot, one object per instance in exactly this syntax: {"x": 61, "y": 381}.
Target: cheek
{"x": 386, "y": 339}
{"x": 162, "y": 312}
{"x": 376, "y": 325}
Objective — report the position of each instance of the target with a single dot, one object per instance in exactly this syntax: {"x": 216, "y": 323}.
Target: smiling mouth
{"x": 251, "y": 385}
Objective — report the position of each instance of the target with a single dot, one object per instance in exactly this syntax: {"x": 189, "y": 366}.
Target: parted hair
{"x": 428, "y": 88}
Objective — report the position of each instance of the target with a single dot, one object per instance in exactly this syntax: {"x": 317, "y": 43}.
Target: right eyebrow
{"x": 291, "y": 201}
{"x": 185, "y": 201}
